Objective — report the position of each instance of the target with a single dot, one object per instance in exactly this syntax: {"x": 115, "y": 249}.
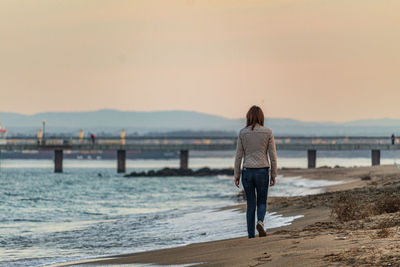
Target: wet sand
{"x": 317, "y": 239}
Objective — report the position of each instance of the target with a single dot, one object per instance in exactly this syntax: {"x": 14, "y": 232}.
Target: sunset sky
{"x": 313, "y": 60}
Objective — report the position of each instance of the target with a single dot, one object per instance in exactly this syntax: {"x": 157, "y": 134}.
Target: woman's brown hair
{"x": 255, "y": 116}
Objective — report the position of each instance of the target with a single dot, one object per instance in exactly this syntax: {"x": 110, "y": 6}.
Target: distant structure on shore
{"x": 3, "y": 134}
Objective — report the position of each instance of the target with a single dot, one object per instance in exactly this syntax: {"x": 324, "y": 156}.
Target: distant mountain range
{"x": 134, "y": 122}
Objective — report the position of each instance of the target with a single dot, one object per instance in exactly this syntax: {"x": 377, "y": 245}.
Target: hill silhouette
{"x": 112, "y": 121}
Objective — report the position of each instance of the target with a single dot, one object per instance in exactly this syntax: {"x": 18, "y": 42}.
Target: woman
{"x": 255, "y": 143}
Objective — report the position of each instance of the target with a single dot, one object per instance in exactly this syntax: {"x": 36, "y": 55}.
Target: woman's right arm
{"x": 238, "y": 159}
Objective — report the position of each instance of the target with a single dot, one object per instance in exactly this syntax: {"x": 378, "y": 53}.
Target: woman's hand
{"x": 272, "y": 181}
{"x": 237, "y": 181}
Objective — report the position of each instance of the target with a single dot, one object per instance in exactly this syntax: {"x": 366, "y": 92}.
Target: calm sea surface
{"x": 90, "y": 211}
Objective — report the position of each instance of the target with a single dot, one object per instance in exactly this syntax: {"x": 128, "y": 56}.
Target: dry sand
{"x": 317, "y": 239}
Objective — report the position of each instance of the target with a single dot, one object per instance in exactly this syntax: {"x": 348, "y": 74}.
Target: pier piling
{"x": 312, "y": 158}
{"x": 376, "y": 157}
{"x": 58, "y": 161}
{"x": 184, "y": 159}
{"x": 121, "y": 159}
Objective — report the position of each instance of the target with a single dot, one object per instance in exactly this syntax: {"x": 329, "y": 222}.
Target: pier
{"x": 310, "y": 145}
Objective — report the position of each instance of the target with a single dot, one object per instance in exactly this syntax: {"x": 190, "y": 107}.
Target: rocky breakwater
{"x": 166, "y": 172}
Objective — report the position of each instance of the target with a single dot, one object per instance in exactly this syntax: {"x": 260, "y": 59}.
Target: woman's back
{"x": 255, "y": 145}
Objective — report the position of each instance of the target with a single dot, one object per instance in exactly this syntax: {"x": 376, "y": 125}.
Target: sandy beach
{"x": 351, "y": 224}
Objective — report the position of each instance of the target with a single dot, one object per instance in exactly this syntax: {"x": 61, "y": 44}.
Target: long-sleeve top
{"x": 255, "y": 146}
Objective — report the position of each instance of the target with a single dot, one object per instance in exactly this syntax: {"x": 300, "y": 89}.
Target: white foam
{"x": 299, "y": 186}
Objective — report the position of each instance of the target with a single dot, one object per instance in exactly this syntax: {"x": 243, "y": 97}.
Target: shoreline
{"x": 315, "y": 239}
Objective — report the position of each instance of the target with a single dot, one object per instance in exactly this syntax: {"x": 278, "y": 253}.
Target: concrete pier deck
{"x": 184, "y": 144}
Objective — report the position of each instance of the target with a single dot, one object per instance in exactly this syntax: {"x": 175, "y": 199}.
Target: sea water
{"x": 90, "y": 211}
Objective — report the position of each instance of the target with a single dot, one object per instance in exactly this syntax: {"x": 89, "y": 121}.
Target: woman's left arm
{"x": 272, "y": 157}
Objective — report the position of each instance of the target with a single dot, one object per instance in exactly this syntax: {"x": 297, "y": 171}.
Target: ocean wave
{"x": 83, "y": 216}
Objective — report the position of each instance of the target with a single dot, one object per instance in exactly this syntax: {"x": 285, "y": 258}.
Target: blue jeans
{"x": 255, "y": 180}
